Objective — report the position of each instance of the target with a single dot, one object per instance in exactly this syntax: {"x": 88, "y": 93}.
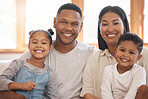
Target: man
{"x": 68, "y": 58}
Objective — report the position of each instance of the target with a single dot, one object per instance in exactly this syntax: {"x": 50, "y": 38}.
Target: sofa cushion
{"x": 4, "y": 64}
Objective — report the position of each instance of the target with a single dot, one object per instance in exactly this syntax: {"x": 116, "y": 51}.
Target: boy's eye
{"x": 131, "y": 52}
{"x": 44, "y": 43}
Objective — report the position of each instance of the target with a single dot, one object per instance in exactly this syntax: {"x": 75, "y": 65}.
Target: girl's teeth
{"x": 124, "y": 60}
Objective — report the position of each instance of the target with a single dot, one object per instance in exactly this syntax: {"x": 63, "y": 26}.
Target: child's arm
{"x": 106, "y": 91}
{"x": 8, "y": 74}
{"x": 23, "y": 86}
{"x": 138, "y": 80}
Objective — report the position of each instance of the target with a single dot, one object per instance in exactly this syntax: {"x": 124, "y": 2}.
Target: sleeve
{"x": 143, "y": 62}
{"x": 139, "y": 78}
{"x": 8, "y": 74}
{"x": 52, "y": 87}
{"x": 106, "y": 91}
{"x": 87, "y": 86}
{"x": 25, "y": 55}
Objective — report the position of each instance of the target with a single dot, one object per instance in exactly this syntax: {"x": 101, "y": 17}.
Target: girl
{"x": 29, "y": 77}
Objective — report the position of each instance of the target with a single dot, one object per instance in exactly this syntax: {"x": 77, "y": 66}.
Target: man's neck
{"x": 62, "y": 48}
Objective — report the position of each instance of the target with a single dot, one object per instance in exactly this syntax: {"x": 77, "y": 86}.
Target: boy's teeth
{"x": 38, "y": 51}
{"x": 67, "y": 34}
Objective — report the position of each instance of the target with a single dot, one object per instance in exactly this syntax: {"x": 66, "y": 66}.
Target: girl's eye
{"x": 34, "y": 42}
{"x": 122, "y": 50}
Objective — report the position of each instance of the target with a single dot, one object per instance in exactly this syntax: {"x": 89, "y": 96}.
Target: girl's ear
{"x": 51, "y": 47}
{"x": 139, "y": 57}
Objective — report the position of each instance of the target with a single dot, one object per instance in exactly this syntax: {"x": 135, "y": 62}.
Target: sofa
{"x": 4, "y": 64}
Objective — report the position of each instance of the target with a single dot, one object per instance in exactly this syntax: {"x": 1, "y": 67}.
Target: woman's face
{"x": 111, "y": 28}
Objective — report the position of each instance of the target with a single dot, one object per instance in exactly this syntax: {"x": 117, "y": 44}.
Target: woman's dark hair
{"x": 132, "y": 37}
{"x": 115, "y": 9}
{"x": 49, "y": 32}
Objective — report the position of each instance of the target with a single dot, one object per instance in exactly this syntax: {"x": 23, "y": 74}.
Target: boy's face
{"x": 39, "y": 45}
{"x": 127, "y": 54}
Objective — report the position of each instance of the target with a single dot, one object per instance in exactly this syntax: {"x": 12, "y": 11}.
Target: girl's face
{"x": 39, "y": 45}
{"x": 111, "y": 28}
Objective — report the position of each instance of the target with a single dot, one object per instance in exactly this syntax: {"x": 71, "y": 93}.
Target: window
{"x": 91, "y": 13}
{"x": 146, "y": 21}
{"x": 7, "y": 24}
{"x": 18, "y": 17}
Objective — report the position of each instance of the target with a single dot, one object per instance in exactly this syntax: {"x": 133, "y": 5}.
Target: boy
{"x": 122, "y": 80}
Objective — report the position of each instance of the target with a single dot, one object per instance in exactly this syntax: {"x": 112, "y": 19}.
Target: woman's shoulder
{"x": 144, "y": 51}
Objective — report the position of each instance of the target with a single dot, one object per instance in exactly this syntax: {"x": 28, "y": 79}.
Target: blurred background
{"x": 18, "y": 17}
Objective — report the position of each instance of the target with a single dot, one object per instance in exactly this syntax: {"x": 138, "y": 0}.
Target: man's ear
{"x": 51, "y": 47}
{"x": 54, "y": 22}
{"x": 139, "y": 57}
{"x": 28, "y": 46}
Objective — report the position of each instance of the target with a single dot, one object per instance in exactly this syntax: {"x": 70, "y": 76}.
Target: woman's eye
{"x": 104, "y": 24}
{"x": 115, "y": 23}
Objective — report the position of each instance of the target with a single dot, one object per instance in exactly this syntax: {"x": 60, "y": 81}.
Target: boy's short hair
{"x": 132, "y": 37}
{"x": 70, "y": 6}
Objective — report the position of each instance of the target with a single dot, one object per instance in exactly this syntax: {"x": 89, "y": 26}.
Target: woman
{"x": 112, "y": 23}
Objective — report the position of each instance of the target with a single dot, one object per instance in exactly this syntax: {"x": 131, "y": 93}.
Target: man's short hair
{"x": 70, "y": 6}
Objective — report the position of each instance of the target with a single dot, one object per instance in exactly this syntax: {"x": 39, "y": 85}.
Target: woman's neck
{"x": 112, "y": 49}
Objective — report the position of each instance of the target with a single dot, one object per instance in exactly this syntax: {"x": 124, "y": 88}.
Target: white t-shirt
{"x": 68, "y": 68}
{"x": 122, "y": 86}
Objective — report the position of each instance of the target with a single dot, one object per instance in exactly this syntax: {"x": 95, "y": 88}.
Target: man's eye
{"x": 75, "y": 24}
{"x": 63, "y": 22}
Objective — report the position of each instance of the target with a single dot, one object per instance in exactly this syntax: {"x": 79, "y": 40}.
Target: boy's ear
{"x": 51, "y": 47}
{"x": 139, "y": 57}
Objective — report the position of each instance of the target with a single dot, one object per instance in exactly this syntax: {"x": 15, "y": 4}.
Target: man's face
{"x": 68, "y": 24}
